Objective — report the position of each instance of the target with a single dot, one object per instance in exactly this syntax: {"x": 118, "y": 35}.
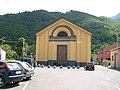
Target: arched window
{"x": 62, "y": 34}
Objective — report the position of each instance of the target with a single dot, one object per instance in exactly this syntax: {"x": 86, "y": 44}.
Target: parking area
{"x": 45, "y": 75}
{"x": 59, "y": 79}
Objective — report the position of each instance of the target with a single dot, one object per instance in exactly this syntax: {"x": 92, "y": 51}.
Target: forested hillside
{"x": 26, "y": 24}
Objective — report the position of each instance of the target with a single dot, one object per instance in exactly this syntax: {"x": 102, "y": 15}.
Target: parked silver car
{"x": 28, "y": 60}
{"x": 27, "y": 68}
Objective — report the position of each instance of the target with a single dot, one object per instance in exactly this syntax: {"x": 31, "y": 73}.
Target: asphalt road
{"x": 71, "y": 79}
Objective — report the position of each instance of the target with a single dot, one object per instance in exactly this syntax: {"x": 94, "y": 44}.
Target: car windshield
{"x": 30, "y": 61}
{"x": 14, "y": 66}
{"x": 26, "y": 65}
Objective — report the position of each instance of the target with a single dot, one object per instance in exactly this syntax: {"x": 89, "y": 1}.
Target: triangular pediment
{"x": 62, "y": 22}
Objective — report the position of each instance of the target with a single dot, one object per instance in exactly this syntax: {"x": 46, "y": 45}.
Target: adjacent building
{"x": 104, "y": 54}
{"x": 2, "y": 54}
{"x": 63, "y": 43}
{"x": 115, "y": 57}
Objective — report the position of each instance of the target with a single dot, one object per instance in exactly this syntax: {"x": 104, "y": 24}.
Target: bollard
{"x": 73, "y": 67}
{"x": 61, "y": 67}
{"x": 78, "y": 67}
{"x": 42, "y": 66}
{"x": 54, "y": 67}
{"x": 68, "y": 67}
{"x": 49, "y": 66}
{"x": 38, "y": 65}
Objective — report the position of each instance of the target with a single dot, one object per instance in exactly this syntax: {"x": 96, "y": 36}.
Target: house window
{"x": 112, "y": 58}
{"x": 108, "y": 58}
{"x": 62, "y": 34}
{"x": 107, "y": 52}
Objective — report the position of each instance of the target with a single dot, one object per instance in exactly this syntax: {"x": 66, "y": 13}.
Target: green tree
{"x": 9, "y": 52}
{"x": 31, "y": 49}
{"x": 20, "y": 47}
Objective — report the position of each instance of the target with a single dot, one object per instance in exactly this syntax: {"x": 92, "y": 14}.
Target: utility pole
{"x": 2, "y": 40}
{"x": 23, "y": 48}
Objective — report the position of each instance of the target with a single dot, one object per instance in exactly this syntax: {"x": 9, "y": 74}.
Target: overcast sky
{"x": 106, "y": 8}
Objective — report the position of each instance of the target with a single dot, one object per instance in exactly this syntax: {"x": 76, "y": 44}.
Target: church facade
{"x": 63, "y": 43}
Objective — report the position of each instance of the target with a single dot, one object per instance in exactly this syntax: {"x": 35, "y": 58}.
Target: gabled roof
{"x": 63, "y": 19}
{"x": 117, "y": 48}
{"x": 110, "y": 47}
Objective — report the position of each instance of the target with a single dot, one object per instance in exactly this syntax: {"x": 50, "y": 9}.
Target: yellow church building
{"x": 63, "y": 43}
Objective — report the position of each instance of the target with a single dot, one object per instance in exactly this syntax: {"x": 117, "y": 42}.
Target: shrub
{"x": 106, "y": 63}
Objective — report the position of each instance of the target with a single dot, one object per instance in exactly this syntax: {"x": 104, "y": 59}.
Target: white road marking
{"x": 117, "y": 87}
{"x": 25, "y": 85}
{"x": 108, "y": 79}
{"x": 102, "y": 73}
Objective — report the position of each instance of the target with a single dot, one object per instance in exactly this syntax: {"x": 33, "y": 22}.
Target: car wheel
{"x": 2, "y": 82}
{"x": 28, "y": 78}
